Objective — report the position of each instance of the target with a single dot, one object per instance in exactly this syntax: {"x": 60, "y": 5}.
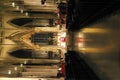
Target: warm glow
{"x": 93, "y": 30}
{"x": 21, "y": 11}
{"x": 62, "y": 39}
{"x": 26, "y": 13}
{"x": 80, "y": 39}
{"x": 9, "y": 72}
{"x": 13, "y": 4}
{"x": 17, "y": 7}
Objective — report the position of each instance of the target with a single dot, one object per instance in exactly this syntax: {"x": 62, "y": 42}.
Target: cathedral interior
{"x": 59, "y": 40}
{"x": 30, "y": 36}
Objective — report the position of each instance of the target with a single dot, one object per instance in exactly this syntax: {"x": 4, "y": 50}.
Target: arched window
{"x": 43, "y": 39}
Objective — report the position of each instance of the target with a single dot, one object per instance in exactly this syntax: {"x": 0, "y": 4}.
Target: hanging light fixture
{"x": 21, "y": 11}
{"x": 15, "y": 68}
{"x": 9, "y": 72}
{"x": 13, "y": 4}
{"x": 25, "y": 62}
{"x": 26, "y": 13}
{"x": 17, "y": 7}
{"x": 21, "y": 65}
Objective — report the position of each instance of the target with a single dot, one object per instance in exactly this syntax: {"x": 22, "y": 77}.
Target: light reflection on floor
{"x": 101, "y": 51}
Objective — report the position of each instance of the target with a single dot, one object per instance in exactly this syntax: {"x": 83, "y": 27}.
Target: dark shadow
{"x": 77, "y": 68}
{"x": 81, "y": 13}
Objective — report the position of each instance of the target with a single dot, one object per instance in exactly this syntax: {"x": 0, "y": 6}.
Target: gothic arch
{"x": 19, "y": 22}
